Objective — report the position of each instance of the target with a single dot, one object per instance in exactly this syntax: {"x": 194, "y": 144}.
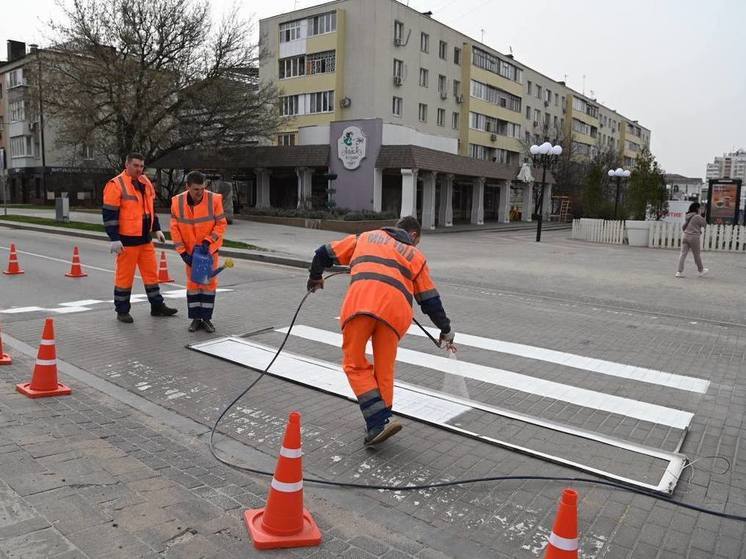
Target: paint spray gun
{"x": 450, "y": 347}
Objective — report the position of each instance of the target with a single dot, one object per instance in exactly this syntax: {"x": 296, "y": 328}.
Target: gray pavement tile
{"x": 40, "y": 544}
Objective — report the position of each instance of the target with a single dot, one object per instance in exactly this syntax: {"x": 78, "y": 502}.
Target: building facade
{"x": 37, "y": 169}
{"x": 430, "y": 87}
{"x": 729, "y": 165}
{"x": 680, "y": 187}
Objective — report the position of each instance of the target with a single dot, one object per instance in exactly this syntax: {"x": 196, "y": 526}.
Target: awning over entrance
{"x": 250, "y": 157}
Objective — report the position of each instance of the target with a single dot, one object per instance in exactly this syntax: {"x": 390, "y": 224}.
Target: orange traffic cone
{"x": 13, "y": 267}
{"x": 563, "y": 541}
{"x": 284, "y": 522}
{"x": 44, "y": 380}
{"x": 5, "y": 359}
{"x": 163, "y": 275}
{"x": 76, "y": 270}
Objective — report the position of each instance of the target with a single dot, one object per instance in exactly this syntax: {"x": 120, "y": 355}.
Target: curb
{"x": 232, "y": 252}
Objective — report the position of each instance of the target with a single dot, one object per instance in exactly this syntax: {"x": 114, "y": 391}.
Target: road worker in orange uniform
{"x": 197, "y": 218}
{"x": 130, "y": 219}
{"x": 387, "y": 272}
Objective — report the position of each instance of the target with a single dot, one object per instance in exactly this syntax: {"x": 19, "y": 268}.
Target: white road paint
{"x": 644, "y": 411}
{"x": 641, "y": 374}
{"x": 327, "y": 377}
{"x": 87, "y": 304}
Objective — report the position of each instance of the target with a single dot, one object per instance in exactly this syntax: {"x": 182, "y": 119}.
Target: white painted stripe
{"x": 291, "y": 452}
{"x": 631, "y": 372}
{"x": 46, "y": 342}
{"x": 565, "y": 544}
{"x": 46, "y": 362}
{"x": 286, "y": 487}
{"x": 579, "y": 396}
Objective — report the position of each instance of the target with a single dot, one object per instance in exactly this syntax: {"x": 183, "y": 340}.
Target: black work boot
{"x": 162, "y": 310}
{"x": 195, "y": 325}
{"x": 125, "y": 317}
{"x": 208, "y": 326}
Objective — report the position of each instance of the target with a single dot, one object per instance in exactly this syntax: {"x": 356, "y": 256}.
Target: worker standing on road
{"x": 387, "y": 272}
{"x": 198, "y": 222}
{"x": 129, "y": 219}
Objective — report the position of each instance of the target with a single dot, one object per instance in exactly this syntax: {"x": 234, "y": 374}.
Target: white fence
{"x": 598, "y": 231}
{"x": 726, "y": 238}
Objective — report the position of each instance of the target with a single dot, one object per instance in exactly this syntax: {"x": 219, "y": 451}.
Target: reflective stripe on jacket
{"x": 386, "y": 274}
{"x": 126, "y": 208}
{"x": 192, "y": 224}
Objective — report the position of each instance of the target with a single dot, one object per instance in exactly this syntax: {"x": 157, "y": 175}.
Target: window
{"x": 292, "y": 67}
{"x": 442, "y": 84}
{"x": 548, "y": 96}
{"x": 424, "y": 42}
{"x": 456, "y": 55}
{"x": 443, "y": 50}
{"x": 17, "y": 110}
{"x": 424, "y": 74}
{"x": 538, "y": 91}
{"x": 537, "y": 115}
{"x": 398, "y": 68}
{"x": 455, "y": 120}
{"x": 483, "y": 59}
{"x": 286, "y": 140}
{"x": 556, "y": 99}
{"x": 422, "y": 114}
{"x": 322, "y": 23}
{"x": 528, "y": 112}
{"x": 441, "y": 117}
{"x": 498, "y": 126}
{"x": 581, "y": 127}
{"x": 456, "y": 88}
{"x": 15, "y": 78}
{"x": 21, "y": 146}
{"x": 528, "y": 86}
{"x": 578, "y": 104}
{"x": 481, "y": 152}
{"x": 289, "y": 105}
{"x": 321, "y": 102}
{"x": 546, "y": 119}
{"x": 398, "y": 32}
{"x": 495, "y": 96}
{"x": 396, "y": 106}
{"x": 555, "y": 121}
{"x": 321, "y": 62}
{"x": 289, "y": 31}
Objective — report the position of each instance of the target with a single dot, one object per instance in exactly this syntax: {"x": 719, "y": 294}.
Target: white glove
{"x": 160, "y": 236}
{"x": 447, "y": 337}
{"x": 116, "y": 247}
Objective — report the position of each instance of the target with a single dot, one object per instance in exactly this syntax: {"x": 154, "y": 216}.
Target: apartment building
{"x": 37, "y": 168}
{"x": 729, "y": 165}
{"x": 409, "y": 83}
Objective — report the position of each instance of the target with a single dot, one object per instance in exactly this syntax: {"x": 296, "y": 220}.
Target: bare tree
{"x": 154, "y": 76}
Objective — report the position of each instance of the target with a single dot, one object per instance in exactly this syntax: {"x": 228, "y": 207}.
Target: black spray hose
{"x": 350, "y": 485}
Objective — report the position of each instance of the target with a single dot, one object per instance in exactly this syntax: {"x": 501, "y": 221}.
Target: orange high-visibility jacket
{"x": 122, "y": 196}
{"x": 385, "y": 276}
{"x": 205, "y": 221}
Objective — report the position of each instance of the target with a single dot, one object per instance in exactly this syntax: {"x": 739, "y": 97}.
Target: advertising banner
{"x": 723, "y": 201}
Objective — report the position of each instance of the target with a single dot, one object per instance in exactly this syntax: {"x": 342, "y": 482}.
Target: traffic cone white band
{"x": 286, "y": 487}
{"x": 46, "y": 342}
{"x": 291, "y": 452}
{"x": 565, "y": 544}
{"x": 46, "y": 362}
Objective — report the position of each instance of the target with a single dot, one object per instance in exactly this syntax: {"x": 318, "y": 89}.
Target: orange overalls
{"x": 191, "y": 224}
{"x": 129, "y": 217}
{"x": 386, "y": 275}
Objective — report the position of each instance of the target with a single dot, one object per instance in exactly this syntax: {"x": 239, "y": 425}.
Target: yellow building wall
{"x": 308, "y": 84}
{"x": 489, "y": 109}
{"x": 482, "y": 75}
{"x": 466, "y": 68}
{"x": 339, "y": 74}
{"x": 502, "y": 142}
{"x": 321, "y": 43}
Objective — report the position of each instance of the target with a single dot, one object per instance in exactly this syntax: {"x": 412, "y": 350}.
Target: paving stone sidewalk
{"x": 88, "y": 476}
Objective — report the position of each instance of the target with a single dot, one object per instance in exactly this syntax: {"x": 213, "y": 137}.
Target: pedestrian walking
{"x": 198, "y": 224}
{"x": 692, "y": 227}
{"x": 130, "y": 220}
{"x": 387, "y": 272}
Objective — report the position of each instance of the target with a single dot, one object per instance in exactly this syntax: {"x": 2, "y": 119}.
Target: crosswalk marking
{"x": 610, "y": 368}
{"x": 644, "y": 411}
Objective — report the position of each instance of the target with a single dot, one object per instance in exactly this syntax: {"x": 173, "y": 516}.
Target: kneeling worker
{"x": 197, "y": 218}
{"x": 387, "y": 272}
{"x": 130, "y": 219}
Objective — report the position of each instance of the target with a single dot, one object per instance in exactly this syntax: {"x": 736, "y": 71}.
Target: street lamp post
{"x": 544, "y": 156}
{"x": 619, "y": 174}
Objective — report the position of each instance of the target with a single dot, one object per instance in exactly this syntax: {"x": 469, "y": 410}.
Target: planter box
{"x": 638, "y": 232}
{"x": 351, "y": 227}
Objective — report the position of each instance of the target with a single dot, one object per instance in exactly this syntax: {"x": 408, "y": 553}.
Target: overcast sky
{"x": 677, "y": 66}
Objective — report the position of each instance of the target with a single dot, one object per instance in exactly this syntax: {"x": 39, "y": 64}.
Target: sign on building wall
{"x": 351, "y": 147}
{"x": 723, "y": 201}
